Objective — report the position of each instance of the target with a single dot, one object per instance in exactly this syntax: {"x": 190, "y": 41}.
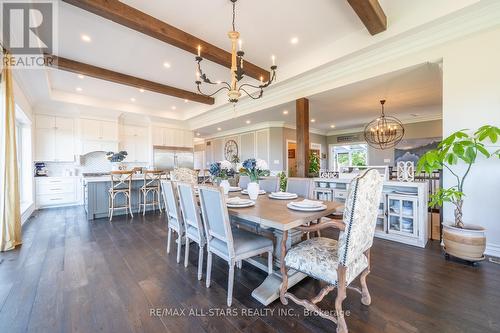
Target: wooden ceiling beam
{"x": 371, "y": 14}
{"x": 134, "y": 19}
{"x": 128, "y": 80}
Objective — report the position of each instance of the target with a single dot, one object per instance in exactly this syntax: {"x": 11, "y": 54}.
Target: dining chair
{"x": 230, "y": 244}
{"x": 269, "y": 184}
{"x": 121, "y": 183}
{"x": 303, "y": 187}
{"x": 339, "y": 262}
{"x": 174, "y": 217}
{"x": 151, "y": 185}
{"x": 185, "y": 175}
{"x": 243, "y": 182}
{"x": 192, "y": 222}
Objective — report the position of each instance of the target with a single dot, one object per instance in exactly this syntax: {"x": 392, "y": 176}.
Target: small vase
{"x": 253, "y": 190}
{"x": 225, "y": 185}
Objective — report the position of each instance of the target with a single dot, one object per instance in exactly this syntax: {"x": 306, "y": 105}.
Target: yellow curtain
{"x": 10, "y": 206}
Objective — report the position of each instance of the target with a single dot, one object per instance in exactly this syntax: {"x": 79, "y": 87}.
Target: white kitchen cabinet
{"x": 54, "y": 139}
{"x": 134, "y": 141}
{"x": 109, "y": 131}
{"x": 56, "y": 191}
{"x": 98, "y": 135}
{"x": 172, "y": 137}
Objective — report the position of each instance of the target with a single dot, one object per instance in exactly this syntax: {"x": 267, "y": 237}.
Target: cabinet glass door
{"x": 402, "y": 212}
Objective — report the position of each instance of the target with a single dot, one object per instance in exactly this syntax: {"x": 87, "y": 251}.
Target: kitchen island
{"x": 96, "y": 198}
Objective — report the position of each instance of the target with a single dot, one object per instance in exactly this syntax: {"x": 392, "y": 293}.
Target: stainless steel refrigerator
{"x": 169, "y": 158}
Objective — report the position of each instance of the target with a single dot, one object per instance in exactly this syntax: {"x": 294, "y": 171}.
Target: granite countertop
{"x": 107, "y": 178}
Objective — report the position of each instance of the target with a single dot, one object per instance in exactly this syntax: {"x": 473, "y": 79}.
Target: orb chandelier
{"x": 384, "y": 132}
{"x": 233, "y": 87}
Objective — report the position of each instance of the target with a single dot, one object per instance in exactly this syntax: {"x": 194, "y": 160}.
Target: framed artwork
{"x": 410, "y": 150}
{"x": 291, "y": 153}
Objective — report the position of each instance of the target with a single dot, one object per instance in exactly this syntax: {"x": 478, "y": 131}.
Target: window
{"x": 348, "y": 155}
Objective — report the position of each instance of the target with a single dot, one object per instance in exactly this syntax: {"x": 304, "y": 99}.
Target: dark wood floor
{"x": 74, "y": 276}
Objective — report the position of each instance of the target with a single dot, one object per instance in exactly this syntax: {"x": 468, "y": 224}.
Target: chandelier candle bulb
{"x": 239, "y": 44}
{"x": 199, "y": 50}
{"x": 273, "y": 59}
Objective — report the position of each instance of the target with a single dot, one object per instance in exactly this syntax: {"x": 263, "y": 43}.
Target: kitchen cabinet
{"x": 171, "y": 137}
{"x": 98, "y": 135}
{"x": 134, "y": 140}
{"x": 56, "y": 191}
{"x": 54, "y": 139}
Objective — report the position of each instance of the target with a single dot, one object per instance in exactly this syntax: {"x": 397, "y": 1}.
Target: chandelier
{"x": 237, "y": 72}
{"x": 384, "y": 132}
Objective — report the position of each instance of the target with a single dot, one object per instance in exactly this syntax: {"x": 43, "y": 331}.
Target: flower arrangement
{"x": 254, "y": 168}
{"x": 116, "y": 157}
{"x": 221, "y": 170}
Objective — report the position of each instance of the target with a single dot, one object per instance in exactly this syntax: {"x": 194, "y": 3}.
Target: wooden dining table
{"x": 277, "y": 219}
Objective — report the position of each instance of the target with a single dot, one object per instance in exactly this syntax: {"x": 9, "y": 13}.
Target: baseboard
{"x": 27, "y": 213}
{"x": 492, "y": 250}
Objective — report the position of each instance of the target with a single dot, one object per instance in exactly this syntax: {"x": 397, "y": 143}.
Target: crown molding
{"x": 418, "y": 45}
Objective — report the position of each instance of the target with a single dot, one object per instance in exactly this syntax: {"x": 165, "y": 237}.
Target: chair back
{"x": 243, "y": 182}
{"x": 121, "y": 180}
{"x": 185, "y": 175}
{"x": 172, "y": 202}
{"x": 215, "y": 217}
{"x": 360, "y": 216}
{"x": 152, "y": 178}
{"x": 269, "y": 184}
{"x": 301, "y": 186}
{"x": 190, "y": 209}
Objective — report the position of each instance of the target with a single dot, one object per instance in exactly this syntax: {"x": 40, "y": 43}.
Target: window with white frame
{"x": 348, "y": 155}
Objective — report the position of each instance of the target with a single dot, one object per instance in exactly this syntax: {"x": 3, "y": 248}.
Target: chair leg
{"x": 179, "y": 244}
{"x": 366, "y": 299}
{"x": 168, "y": 239}
{"x": 209, "y": 267}
{"x": 112, "y": 207}
{"x": 230, "y": 283}
{"x": 186, "y": 252}
{"x": 283, "y": 269}
{"x": 270, "y": 262}
{"x": 239, "y": 264}
{"x": 200, "y": 262}
{"x": 341, "y": 295}
{"x": 129, "y": 197}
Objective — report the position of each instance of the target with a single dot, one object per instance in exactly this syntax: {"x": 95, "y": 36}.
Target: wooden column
{"x": 302, "y": 136}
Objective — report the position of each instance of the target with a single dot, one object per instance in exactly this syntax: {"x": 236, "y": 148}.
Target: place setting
{"x": 307, "y": 205}
{"x": 261, "y": 192}
{"x": 234, "y": 188}
{"x": 282, "y": 195}
{"x": 237, "y": 202}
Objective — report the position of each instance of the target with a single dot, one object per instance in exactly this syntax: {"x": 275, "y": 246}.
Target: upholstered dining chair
{"x": 338, "y": 263}
{"x": 303, "y": 187}
{"x": 185, "y": 175}
{"x": 269, "y": 184}
{"x": 174, "y": 217}
{"x": 232, "y": 245}
{"x": 192, "y": 222}
{"x": 243, "y": 182}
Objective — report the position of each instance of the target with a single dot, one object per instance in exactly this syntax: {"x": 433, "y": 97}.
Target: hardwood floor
{"x": 71, "y": 275}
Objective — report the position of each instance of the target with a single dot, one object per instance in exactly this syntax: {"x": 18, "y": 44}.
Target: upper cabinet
{"x": 171, "y": 137}
{"x": 54, "y": 138}
{"x": 134, "y": 140}
{"x": 98, "y": 135}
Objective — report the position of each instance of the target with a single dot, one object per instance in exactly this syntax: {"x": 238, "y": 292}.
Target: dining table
{"x": 280, "y": 222}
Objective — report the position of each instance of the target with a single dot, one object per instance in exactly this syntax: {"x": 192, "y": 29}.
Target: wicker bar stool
{"x": 121, "y": 182}
{"x": 151, "y": 185}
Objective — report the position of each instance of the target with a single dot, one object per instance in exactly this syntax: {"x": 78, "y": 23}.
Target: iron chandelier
{"x": 237, "y": 72}
{"x": 384, "y": 132}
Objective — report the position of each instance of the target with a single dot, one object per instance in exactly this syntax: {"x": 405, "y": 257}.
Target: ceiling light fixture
{"x": 86, "y": 38}
{"x": 219, "y": 129}
{"x": 79, "y": 89}
{"x": 294, "y": 40}
{"x": 166, "y": 65}
{"x": 285, "y": 112}
{"x": 198, "y": 134}
{"x": 332, "y": 126}
{"x": 248, "y": 121}
{"x": 142, "y": 90}
{"x": 80, "y": 76}
{"x": 313, "y": 120}
{"x": 384, "y": 132}
{"x": 186, "y": 100}
{"x": 237, "y": 72}
{"x": 132, "y": 99}
{"x": 174, "y": 107}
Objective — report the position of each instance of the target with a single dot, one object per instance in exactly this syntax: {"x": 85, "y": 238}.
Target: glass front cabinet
{"x": 402, "y": 215}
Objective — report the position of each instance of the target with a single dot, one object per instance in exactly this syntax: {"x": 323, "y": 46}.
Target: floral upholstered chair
{"x": 338, "y": 263}
{"x": 185, "y": 175}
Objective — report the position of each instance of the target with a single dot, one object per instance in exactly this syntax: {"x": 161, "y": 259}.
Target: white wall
{"x": 471, "y": 98}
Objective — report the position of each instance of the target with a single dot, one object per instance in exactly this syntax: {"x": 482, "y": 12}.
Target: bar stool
{"x": 151, "y": 185}
{"x": 121, "y": 182}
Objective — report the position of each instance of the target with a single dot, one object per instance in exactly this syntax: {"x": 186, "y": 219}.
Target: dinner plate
{"x": 248, "y": 204}
{"x": 307, "y": 204}
{"x": 234, "y": 189}
{"x": 246, "y": 192}
{"x": 302, "y": 209}
{"x": 282, "y": 197}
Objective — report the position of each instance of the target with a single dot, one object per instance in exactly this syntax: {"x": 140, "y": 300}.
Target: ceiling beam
{"x": 128, "y": 80}
{"x": 132, "y": 18}
{"x": 371, "y": 14}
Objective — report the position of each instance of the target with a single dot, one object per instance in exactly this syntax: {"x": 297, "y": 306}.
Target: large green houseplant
{"x": 457, "y": 154}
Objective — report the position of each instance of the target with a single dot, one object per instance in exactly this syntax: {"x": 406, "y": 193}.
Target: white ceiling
{"x": 412, "y": 94}
{"x": 326, "y": 29}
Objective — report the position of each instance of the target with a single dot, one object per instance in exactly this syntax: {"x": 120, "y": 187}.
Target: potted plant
{"x": 221, "y": 171}
{"x": 254, "y": 169}
{"x": 314, "y": 164}
{"x": 283, "y": 181}
{"x": 465, "y": 241}
{"x": 116, "y": 159}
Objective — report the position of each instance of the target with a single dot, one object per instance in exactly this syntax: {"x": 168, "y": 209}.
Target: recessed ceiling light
{"x": 285, "y": 112}
{"x": 332, "y": 126}
{"x": 294, "y": 40}
{"x": 313, "y": 120}
{"x": 248, "y": 121}
{"x": 174, "y": 107}
{"x": 166, "y": 65}
{"x": 86, "y": 38}
{"x": 198, "y": 134}
{"x": 142, "y": 90}
{"x": 132, "y": 99}
{"x": 79, "y": 89}
{"x": 80, "y": 76}
{"x": 219, "y": 129}
{"x": 186, "y": 100}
